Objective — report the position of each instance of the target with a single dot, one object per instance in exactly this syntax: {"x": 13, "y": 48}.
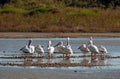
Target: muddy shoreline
{"x": 54, "y": 35}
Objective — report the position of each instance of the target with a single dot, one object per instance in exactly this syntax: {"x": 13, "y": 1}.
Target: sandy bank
{"x": 54, "y": 35}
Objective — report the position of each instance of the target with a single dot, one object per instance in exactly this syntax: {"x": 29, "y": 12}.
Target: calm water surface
{"x": 112, "y": 45}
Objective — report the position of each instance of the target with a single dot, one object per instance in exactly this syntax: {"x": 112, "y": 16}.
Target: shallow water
{"x": 112, "y": 45}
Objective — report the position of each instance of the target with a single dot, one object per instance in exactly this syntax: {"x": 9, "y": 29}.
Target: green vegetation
{"x": 87, "y": 12}
{"x": 40, "y": 10}
{"x": 12, "y": 10}
{"x": 59, "y": 16}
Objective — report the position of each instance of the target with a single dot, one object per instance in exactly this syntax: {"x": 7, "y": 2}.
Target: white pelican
{"x": 60, "y": 47}
{"x": 65, "y": 49}
{"x": 93, "y": 48}
{"x": 28, "y": 48}
{"x": 50, "y": 49}
{"x": 84, "y": 49}
{"x": 68, "y": 47}
{"x": 102, "y": 50}
{"x": 39, "y": 49}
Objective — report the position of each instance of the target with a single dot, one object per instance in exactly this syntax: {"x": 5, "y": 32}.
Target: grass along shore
{"x": 67, "y": 19}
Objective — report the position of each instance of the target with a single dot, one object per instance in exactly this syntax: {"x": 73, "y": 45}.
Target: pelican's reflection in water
{"x": 49, "y": 60}
{"x": 99, "y": 61}
{"x": 102, "y": 60}
{"x": 38, "y": 60}
{"x": 30, "y": 61}
{"x": 27, "y": 61}
{"x": 66, "y": 60}
{"x": 85, "y": 61}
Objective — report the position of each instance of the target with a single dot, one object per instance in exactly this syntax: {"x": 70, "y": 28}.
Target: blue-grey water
{"x": 112, "y": 45}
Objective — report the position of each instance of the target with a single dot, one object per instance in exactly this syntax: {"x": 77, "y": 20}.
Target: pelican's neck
{"x": 68, "y": 41}
{"x": 49, "y": 43}
{"x": 84, "y": 45}
{"x": 87, "y": 45}
{"x": 61, "y": 44}
{"x": 29, "y": 43}
{"x": 91, "y": 41}
{"x": 91, "y": 38}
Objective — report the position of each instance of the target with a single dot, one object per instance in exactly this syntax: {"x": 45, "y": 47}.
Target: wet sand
{"x": 54, "y": 35}
{"x": 30, "y": 70}
{"x": 38, "y": 73}
{"x": 54, "y": 62}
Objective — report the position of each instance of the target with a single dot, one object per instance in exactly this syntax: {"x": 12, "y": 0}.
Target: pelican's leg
{"x": 103, "y": 56}
{"x": 84, "y": 55}
{"x": 66, "y": 55}
{"x": 100, "y": 54}
{"x": 38, "y": 55}
{"x": 49, "y": 56}
{"x": 69, "y": 55}
{"x": 63, "y": 56}
{"x": 95, "y": 56}
{"x": 92, "y": 56}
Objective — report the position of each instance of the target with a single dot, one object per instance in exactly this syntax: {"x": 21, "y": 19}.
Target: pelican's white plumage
{"x": 93, "y": 48}
{"x": 65, "y": 49}
{"x": 39, "y": 49}
{"x": 68, "y": 47}
{"x": 84, "y": 49}
{"x": 28, "y": 48}
{"x": 102, "y": 49}
{"x": 60, "y": 47}
{"x": 50, "y": 48}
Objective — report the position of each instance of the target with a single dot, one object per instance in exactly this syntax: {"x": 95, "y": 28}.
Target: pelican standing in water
{"x": 39, "y": 49}
{"x": 28, "y": 48}
{"x": 84, "y": 49}
{"x": 102, "y": 50}
{"x": 67, "y": 50}
{"x": 93, "y": 48}
{"x": 60, "y": 47}
{"x": 50, "y": 49}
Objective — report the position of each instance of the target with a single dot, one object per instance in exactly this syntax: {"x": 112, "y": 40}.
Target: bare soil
{"x": 54, "y": 35}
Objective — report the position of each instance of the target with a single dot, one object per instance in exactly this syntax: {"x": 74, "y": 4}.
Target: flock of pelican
{"x": 66, "y": 50}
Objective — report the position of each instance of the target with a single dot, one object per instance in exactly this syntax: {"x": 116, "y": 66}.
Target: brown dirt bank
{"x": 54, "y": 35}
